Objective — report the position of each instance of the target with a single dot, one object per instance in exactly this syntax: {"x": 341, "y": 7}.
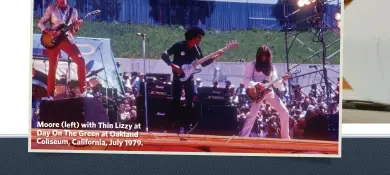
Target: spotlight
{"x": 301, "y": 3}
{"x": 337, "y": 16}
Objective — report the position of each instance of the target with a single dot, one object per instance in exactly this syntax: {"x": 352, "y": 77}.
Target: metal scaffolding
{"x": 316, "y": 25}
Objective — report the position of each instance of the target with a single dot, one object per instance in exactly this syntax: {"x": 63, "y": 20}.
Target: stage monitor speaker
{"x": 80, "y": 110}
{"x": 217, "y": 120}
{"x": 316, "y": 127}
{"x": 158, "y": 109}
{"x": 333, "y": 126}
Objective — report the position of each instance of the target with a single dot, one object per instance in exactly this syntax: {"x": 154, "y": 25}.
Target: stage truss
{"x": 316, "y": 26}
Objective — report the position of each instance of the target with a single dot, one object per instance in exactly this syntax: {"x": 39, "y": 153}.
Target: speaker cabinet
{"x": 80, "y": 110}
{"x": 333, "y": 126}
{"x": 217, "y": 120}
{"x": 316, "y": 127}
{"x": 158, "y": 111}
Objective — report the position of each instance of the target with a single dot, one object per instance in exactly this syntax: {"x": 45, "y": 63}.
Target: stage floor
{"x": 167, "y": 142}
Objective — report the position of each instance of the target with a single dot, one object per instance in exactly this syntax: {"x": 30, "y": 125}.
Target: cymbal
{"x": 95, "y": 72}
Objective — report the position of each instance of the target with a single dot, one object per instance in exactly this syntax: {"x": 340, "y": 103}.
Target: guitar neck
{"x": 70, "y": 26}
{"x": 273, "y": 82}
{"x": 278, "y": 79}
{"x": 202, "y": 60}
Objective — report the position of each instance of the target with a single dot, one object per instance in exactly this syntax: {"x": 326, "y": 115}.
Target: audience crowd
{"x": 267, "y": 124}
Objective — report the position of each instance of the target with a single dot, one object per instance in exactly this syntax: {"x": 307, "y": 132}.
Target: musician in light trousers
{"x": 256, "y": 72}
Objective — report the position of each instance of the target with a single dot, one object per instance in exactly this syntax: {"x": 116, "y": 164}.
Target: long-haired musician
{"x": 256, "y": 72}
{"x": 56, "y": 15}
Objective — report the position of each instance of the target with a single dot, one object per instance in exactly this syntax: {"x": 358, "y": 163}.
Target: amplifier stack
{"x": 213, "y": 96}
{"x": 214, "y": 114}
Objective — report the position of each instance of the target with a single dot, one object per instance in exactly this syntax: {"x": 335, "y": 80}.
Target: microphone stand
{"x": 145, "y": 83}
{"x": 67, "y": 89}
{"x": 106, "y": 79}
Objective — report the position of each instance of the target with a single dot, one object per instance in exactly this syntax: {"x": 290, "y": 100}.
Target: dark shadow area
{"x": 299, "y": 20}
{"x": 80, "y": 5}
{"x": 180, "y": 12}
{"x": 38, "y": 4}
{"x": 41, "y": 5}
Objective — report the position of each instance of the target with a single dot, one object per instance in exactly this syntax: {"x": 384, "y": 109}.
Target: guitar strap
{"x": 199, "y": 54}
{"x": 69, "y": 15}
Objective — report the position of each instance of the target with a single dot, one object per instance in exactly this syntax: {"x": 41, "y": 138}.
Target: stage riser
{"x": 203, "y": 143}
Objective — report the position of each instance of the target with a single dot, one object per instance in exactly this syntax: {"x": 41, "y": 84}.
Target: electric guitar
{"x": 187, "y": 70}
{"x": 258, "y": 94}
{"x": 50, "y": 40}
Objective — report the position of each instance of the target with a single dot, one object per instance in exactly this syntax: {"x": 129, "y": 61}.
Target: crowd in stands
{"x": 267, "y": 124}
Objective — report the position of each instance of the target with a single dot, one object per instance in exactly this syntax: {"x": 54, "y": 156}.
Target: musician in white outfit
{"x": 256, "y": 72}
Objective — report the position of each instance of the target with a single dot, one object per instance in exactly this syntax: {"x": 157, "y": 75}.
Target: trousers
{"x": 183, "y": 118}
{"x": 74, "y": 53}
{"x": 278, "y": 105}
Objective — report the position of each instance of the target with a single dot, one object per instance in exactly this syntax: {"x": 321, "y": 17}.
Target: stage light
{"x": 337, "y": 16}
{"x": 307, "y": 2}
{"x": 301, "y": 3}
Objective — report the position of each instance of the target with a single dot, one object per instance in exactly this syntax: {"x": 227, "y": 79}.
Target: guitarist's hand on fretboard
{"x": 286, "y": 76}
{"x": 218, "y": 55}
{"x": 78, "y": 23}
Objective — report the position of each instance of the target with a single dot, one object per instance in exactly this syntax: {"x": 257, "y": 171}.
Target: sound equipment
{"x": 158, "y": 111}
{"x": 50, "y": 39}
{"x": 159, "y": 77}
{"x": 333, "y": 126}
{"x": 213, "y": 96}
{"x": 316, "y": 125}
{"x": 157, "y": 89}
{"x": 257, "y": 94}
{"x": 217, "y": 120}
{"x": 80, "y": 110}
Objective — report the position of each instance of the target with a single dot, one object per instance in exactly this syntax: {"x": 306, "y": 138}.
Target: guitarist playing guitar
{"x": 185, "y": 52}
{"x": 256, "y": 72}
{"x": 57, "y": 15}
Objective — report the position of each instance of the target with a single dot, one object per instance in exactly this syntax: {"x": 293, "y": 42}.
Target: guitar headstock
{"x": 232, "y": 44}
{"x": 95, "y": 12}
{"x": 295, "y": 71}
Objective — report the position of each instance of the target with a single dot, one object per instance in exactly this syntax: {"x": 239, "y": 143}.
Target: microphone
{"x": 141, "y": 34}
